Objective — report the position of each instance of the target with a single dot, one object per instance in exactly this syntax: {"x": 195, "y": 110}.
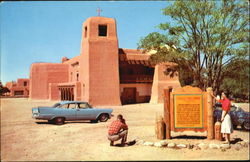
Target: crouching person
{"x": 118, "y": 129}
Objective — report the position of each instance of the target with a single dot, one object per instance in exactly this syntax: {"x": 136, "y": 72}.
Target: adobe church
{"x": 103, "y": 73}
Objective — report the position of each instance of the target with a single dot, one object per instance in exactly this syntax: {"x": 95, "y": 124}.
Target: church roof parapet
{"x": 135, "y": 56}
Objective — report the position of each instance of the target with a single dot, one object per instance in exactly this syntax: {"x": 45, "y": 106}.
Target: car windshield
{"x": 233, "y": 108}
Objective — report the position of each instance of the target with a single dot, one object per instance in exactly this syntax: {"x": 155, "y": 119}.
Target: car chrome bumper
{"x": 35, "y": 116}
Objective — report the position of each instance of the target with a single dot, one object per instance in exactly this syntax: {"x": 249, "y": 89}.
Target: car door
{"x": 68, "y": 111}
{"x": 84, "y": 112}
{"x": 233, "y": 115}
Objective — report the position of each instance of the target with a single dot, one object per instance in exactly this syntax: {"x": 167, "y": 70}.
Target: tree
{"x": 236, "y": 79}
{"x": 3, "y": 89}
{"x": 203, "y": 37}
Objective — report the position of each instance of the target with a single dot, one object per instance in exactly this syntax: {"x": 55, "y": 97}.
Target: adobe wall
{"x": 74, "y": 68}
{"x": 78, "y": 91}
{"x": 162, "y": 81}
{"x": 54, "y": 93}
{"x": 41, "y": 74}
{"x": 21, "y": 82}
{"x": 84, "y": 63}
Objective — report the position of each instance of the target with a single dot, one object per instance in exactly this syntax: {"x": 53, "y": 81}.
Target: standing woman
{"x": 226, "y": 125}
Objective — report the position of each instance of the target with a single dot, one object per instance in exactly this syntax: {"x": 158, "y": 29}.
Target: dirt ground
{"x": 22, "y": 139}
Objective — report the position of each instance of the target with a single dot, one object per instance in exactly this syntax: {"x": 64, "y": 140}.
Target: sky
{"x": 45, "y": 31}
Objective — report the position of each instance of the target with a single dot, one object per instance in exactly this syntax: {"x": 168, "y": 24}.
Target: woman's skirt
{"x": 226, "y": 125}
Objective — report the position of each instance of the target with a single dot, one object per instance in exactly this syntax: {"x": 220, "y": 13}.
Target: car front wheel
{"x": 59, "y": 121}
{"x": 246, "y": 126}
{"x": 103, "y": 117}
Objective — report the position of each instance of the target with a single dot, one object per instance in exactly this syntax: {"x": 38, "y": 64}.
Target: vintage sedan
{"x": 71, "y": 110}
{"x": 237, "y": 114}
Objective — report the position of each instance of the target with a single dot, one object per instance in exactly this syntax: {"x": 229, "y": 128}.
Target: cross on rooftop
{"x": 98, "y": 11}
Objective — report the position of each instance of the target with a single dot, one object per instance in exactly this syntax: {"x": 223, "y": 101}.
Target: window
{"x": 102, "y": 30}
{"x": 82, "y": 105}
{"x": 85, "y": 33}
{"x": 68, "y": 106}
{"x": 64, "y": 106}
{"x": 77, "y": 77}
{"x": 72, "y": 106}
{"x": 24, "y": 83}
{"x": 17, "y": 93}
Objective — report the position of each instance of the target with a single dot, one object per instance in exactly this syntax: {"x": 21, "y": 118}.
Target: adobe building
{"x": 19, "y": 88}
{"x": 103, "y": 73}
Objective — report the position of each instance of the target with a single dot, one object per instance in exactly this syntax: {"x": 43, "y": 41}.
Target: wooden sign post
{"x": 210, "y": 114}
{"x": 167, "y": 111}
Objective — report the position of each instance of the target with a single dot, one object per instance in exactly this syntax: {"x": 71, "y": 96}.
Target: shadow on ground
{"x": 130, "y": 143}
{"x": 236, "y": 140}
{"x": 189, "y": 137}
{"x": 68, "y": 122}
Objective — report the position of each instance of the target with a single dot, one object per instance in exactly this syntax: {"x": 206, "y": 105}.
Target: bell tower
{"x": 100, "y": 62}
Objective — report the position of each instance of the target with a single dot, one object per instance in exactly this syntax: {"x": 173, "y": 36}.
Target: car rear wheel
{"x": 235, "y": 126}
{"x": 59, "y": 121}
{"x": 103, "y": 117}
{"x": 245, "y": 125}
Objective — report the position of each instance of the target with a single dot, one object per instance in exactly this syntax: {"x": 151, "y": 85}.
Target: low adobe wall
{"x": 41, "y": 74}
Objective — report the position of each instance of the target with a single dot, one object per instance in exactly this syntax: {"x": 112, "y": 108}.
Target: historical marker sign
{"x": 188, "y": 111}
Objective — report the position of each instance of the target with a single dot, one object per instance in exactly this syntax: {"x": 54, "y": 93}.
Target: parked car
{"x": 237, "y": 114}
{"x": 71, "y": 110}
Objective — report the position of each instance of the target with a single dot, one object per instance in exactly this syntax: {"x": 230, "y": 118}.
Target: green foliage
{"x": 236, "y": 79}
{"x": 3, "y": 89}
{"x": 204, "y": 37}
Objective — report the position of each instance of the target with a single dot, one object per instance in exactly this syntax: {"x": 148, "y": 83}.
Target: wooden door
{"x": 129, "y": 95}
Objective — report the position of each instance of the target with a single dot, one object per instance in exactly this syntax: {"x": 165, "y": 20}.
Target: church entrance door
{"x": 129, "y": 95}
{"x": 67, "y": 94}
